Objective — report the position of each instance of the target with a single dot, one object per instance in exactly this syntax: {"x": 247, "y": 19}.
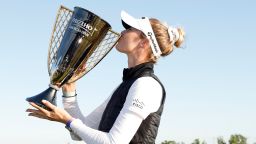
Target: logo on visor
{"x": 153, "y": 42}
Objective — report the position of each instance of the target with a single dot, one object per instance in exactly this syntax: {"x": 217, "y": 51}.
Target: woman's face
{"x": 129, "y": 41}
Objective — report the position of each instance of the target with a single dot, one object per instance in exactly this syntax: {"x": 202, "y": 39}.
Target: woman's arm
{"x": 122, "y": 131}
{"x": 92, "y": 120}
{"x": 127, "y": 122}
{"x": 145, "y": 90}
{"x": 70, "y": 104}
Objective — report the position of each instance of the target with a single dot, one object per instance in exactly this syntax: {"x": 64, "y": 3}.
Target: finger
{"x": 84, "y": 66}
{"x": 58, "y": 84}
{"x": 41, "y": 115}
{"x": 34, "y": 111}
{"x": 38, "y": 116}
{"x": 46, "y": 112}
{"x": 49, "y": 105}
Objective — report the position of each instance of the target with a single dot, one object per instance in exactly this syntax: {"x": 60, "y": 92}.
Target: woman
{"x": 132, "y": 113}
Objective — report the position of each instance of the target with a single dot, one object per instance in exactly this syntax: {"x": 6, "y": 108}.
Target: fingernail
{"x": 43, "y": 101}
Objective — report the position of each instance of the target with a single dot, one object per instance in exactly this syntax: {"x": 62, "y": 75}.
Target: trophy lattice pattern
{"x": 98, "y": 54}
{"x": 62, "y": 19}
{"x": 104, "y": 47}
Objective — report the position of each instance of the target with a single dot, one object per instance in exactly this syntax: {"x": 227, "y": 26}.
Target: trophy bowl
{"x": 80, "y": 40}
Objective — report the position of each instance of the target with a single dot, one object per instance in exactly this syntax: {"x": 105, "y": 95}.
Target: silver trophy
{"x": 79, "y": 41}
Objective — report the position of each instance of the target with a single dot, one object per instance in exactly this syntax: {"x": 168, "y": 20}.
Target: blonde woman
{"x": 132, "y": 113}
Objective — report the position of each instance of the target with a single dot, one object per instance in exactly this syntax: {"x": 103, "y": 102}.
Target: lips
{"x": 121, "y": 37}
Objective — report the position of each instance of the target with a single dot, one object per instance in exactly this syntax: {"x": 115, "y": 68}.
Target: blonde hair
{"x": 163, "y": 38}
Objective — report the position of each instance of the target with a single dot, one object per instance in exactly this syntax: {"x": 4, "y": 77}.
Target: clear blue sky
{"x": 211, "y": 84}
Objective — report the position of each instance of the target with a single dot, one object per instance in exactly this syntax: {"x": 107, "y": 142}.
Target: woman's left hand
{"x": 56, "y": 114}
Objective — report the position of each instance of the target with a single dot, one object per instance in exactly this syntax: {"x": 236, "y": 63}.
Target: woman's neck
{"x": 133, "y": 60}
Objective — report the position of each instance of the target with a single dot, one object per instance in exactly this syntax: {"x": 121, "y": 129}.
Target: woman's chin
{"x": 118, "y": 48}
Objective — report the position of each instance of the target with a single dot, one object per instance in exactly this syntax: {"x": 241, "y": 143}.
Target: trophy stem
{"x": 49, "y": 95}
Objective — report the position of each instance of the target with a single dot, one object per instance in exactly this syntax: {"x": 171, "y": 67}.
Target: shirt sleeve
{"x": 92, "y": 120}
{"x": 124, "y": 128}
{"x": 144, "y": 97}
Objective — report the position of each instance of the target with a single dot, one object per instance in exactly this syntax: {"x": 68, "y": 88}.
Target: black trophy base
{"x": 49, "y": 95}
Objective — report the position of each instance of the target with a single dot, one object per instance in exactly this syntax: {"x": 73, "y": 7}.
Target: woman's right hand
{"x": 69, "y": 87}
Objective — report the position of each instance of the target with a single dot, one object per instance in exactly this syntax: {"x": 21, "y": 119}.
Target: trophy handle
{"x": 49, "y": 95}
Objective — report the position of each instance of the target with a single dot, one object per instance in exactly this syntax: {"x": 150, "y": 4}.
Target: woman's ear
{"x": 144, "y": 43}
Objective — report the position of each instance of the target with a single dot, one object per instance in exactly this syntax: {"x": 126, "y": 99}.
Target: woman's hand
{"x": 56, "y": 114}
{"x": 69, "y": 87}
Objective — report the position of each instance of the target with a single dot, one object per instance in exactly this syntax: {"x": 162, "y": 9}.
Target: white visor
{"x": 143, "y": 25}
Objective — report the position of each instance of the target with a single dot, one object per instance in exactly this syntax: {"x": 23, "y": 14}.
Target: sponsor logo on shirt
{"x": 137, "y": 103}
